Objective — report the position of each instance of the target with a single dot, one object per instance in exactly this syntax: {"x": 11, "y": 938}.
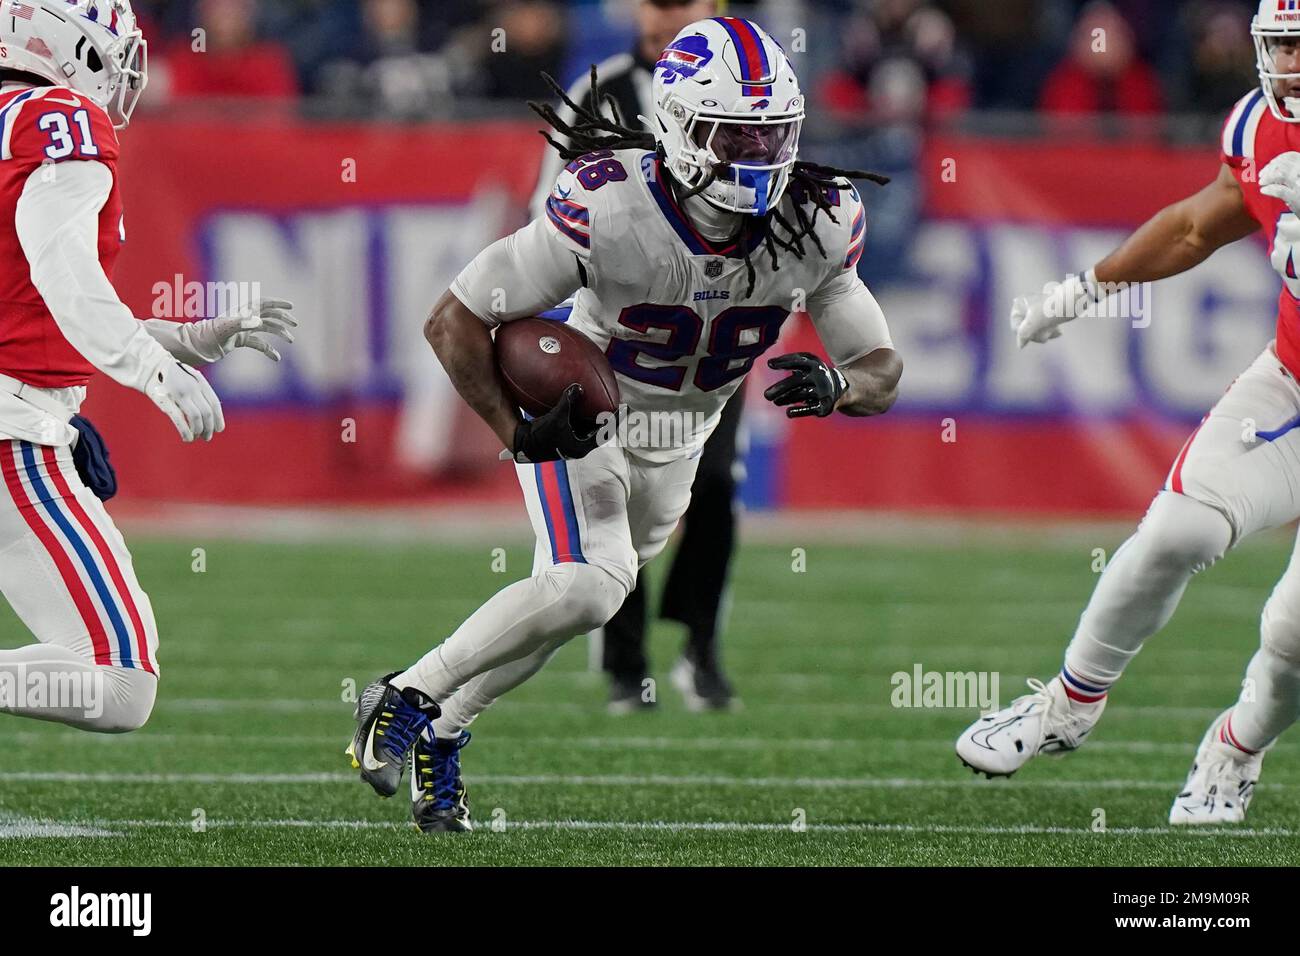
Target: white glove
{"x": 1280, "y": 179}
{"x": 187, "y": 399}
{"x": 210, "y": 340}
{"x": 1038, "y": 318}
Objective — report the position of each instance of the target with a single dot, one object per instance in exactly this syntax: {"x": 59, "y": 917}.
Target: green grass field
{"x": 250, "y": 727}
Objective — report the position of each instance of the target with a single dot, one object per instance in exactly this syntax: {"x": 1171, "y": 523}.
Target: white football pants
{"x": 597, "y": 521}
{"x": 66, "y": 572}
{"x": 1237, "y": 474}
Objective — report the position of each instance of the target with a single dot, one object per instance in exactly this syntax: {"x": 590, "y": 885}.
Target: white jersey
{"x": 667, "y": 306}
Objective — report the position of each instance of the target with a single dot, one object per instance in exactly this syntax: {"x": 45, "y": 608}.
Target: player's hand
{"x": 251, "y": 327}
{"x": 812, "y": 388}
{"x": 187, "y": 399}
{"x": 1281, "y": 180}
{"x": 1038, "y": 318}
{"x": 552, "y": 436}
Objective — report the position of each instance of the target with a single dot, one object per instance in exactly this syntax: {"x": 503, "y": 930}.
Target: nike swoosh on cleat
{"x": 366, "y": 760}
{"x": 990, "y": 731}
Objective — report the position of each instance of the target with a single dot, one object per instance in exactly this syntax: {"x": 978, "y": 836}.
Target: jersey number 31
{"x": 67, "y": 138}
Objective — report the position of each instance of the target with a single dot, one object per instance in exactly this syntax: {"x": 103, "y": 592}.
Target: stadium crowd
{"x": 888, "y": 59}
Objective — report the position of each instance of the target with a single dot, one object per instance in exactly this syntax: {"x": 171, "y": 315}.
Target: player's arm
{"x": 1182, "y": 235}
{"x": 57, "y": 222}
{"x": 864, "y": 377}
{"x": 518, "y": 276}
{"x": 1174, "y": 240}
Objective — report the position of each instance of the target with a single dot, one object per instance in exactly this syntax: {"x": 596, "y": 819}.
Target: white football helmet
{"x": 91, "y": 46}
{"x": 728, "y": 112}
{"x": 1277, "y": 21}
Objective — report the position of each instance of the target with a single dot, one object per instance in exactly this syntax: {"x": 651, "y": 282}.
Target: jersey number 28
{"x": 685, "y": 328}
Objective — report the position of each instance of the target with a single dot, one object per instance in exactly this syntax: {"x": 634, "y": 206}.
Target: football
{"x": 540, "y": 358}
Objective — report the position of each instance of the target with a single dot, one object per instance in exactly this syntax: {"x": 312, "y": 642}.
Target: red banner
{"x": 364, "y": 226}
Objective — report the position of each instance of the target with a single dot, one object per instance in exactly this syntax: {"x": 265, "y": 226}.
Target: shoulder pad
{"x": 53, "y": 124}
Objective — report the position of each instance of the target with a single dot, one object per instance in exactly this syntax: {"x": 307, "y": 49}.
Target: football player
{"x": 687, "y": 249}
{"x": 1235, "y": 475}
{"x": 695, "y": 584}
{"x": 71, "y": 73}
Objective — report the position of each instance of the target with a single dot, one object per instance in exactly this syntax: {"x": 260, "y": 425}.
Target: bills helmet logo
{"x": 760, "y": 105}
{"x": 684, "y": 58}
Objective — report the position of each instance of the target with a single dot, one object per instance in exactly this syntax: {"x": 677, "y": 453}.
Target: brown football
{"x": 540, "y": 358}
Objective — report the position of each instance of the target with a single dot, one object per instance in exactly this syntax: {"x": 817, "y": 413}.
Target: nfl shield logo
{"x": 713, "y": 269}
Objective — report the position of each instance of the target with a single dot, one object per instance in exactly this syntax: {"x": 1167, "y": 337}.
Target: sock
{"x": 1083, "y": 691}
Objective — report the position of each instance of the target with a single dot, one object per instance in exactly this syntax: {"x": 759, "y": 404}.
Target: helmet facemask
{"x": 738, "y": 163}
{"x": 1268, "y": 42}
{"x": 129, "y": 76}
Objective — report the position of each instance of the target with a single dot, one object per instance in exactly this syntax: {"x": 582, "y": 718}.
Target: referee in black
{"x": 693, "y": 593}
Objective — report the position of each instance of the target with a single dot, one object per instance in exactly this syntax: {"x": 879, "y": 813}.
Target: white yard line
{"x": 13, "y": 827}
{"x": 614, "y": 780}
{"x": 312, "y": 705}
{"x": 716, "y": 826}
{"x": 692, "y": 743}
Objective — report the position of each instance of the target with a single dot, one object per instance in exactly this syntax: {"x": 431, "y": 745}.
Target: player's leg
{"x": 583, "y": 571}
{"x": 656, "y": 497}
{"x": 66, "y": 572}
{"x": 697, "y": 579}
{"x": 1222, "y": 780}
{"x": 1228, "y": 481}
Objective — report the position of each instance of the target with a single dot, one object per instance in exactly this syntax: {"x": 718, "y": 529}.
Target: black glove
{"x": 812, "y": 388}
{"x": 552, "y": 436}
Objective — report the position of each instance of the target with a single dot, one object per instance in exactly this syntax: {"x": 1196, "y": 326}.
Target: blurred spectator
{"x": 392, "y": 68}
{"x": 227, "y": 58}
{"x": 1222, "y": 60}
{"x": 900, "y": 62}
{"x": 533, "y": 35}
{"x": 1103, "y": 71}
{"x": 1011, "y": 46}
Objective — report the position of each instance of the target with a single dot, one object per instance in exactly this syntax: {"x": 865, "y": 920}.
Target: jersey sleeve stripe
{"x": 570, "y": 230}
{"x": 1245, "y": 119}
{"x": 8, "y": 119}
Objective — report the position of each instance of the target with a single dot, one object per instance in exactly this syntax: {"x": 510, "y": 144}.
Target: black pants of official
{"x": 693, "y": 592}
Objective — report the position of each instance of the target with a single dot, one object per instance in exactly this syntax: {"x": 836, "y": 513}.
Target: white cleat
{"x": 999, "y": 744}
{"x": 1222, "y": 781}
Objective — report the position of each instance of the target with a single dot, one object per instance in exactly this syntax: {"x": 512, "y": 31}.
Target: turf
{"x": 242, "y": 762}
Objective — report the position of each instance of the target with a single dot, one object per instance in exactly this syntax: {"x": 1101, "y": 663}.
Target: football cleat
{"x": 999, "y": 744}
{"x": 703, "y": 687}
{"x": 438, "y": 800}
{"x": 388, "y": 722}
{"x": 1221, "y": 783}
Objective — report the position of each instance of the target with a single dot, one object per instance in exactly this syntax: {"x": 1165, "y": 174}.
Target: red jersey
{"x": 40, "y": 126}
{"x": 1252, "y": 137}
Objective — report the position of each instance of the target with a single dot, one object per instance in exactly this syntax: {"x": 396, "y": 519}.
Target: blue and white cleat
{"x": 438, "y": 800}
{"x": 1220, "y": 784}
{"x": 999, "y": 744}
{"x": 388, "y": 723}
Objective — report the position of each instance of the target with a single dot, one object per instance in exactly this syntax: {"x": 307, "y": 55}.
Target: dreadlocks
{"x": 591, "y": 131}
